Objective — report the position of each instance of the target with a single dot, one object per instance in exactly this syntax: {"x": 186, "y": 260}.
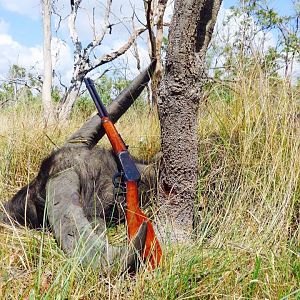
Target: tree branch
{"x": 73, "y": 32}
{"x": 113, "y": 55}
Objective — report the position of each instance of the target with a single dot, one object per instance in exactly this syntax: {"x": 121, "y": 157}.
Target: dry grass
{"x": 248, "y": 233}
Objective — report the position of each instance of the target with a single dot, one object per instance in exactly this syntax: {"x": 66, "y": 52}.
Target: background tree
{"x": 17, "y": 86}
{"x": 155, "y": 11}
{"x": 257, "y": 34}
{"x": 47, "y": 83}
{"x": 85, "y": 58}
{"x": 180, "y": 93}
{"x": 286, "y": 28}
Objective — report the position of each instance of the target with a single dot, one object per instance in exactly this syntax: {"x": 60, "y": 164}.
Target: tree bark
{"x": 47, "y": 83}
{"x": 180, "y": 93}
{"x": 69, "y": 99}
{"x": 157, "y": 76}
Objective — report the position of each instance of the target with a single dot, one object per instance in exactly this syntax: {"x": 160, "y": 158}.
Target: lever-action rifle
{"x": 134, "y": 215}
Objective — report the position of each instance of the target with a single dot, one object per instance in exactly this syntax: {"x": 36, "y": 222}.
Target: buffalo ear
{"x": 14, "y": 209}
{"x": 32, "y": 217}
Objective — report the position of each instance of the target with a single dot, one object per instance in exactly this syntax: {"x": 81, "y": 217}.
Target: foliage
{"x": 19, "y": 86}
{"x": 108, "y": 87}
{"x": 26, "y": 87}
{"x": 253, "y": 26}
{"x": 56, "y": 94}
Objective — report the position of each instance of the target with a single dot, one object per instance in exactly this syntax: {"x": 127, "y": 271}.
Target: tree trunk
{"x": 157, "y": 76}
{"x": 69, "y": 99}
{"x": 180, "y": 93}
{"x": 47, "y": 83}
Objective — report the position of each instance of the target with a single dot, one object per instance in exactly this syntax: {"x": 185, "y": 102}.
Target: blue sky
{"x": 28, "y": 30}
{"x": 282, "y": 6}
{"x": 25, "y": 30}
{"x": 21, "y": 32}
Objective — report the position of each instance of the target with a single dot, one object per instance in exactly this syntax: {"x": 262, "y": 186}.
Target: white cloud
{"x": 13, "y": 52}
{"x": 29, "y": 8}
{"x": 120, "y": 16}
{"x": 92, "y": 13}
{"x": 4, "y": 26}
{"x": 230, "y": 30}
{"x": 62, "y": 59}
{"x": 127, "y": 63}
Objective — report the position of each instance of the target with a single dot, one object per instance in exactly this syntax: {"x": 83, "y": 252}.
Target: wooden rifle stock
{"x": 134, "y": 215}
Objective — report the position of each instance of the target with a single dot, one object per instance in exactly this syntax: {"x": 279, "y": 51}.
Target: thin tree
{"x": 180, "y": 94}
{"x": 47, "y": 83}
{"x": 155, "y": 11}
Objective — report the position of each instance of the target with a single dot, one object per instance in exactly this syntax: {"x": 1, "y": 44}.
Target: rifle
{"x": 134, "y": 215}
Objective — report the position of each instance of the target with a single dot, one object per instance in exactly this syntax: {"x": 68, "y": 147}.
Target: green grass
{"x": 249, "y": 194}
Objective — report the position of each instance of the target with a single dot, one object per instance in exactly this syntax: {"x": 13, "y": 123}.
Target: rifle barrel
{"x": 96, "y": 98}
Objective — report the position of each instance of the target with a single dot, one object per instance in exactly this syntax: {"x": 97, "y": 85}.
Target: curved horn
{"x": 91, "y": 131}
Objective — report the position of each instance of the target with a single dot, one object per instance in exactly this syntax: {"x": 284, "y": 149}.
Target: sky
{"x": 21, "y": 35}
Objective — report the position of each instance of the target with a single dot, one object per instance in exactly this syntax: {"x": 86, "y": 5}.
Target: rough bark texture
{"x": 180, "y": 92}
{"x": 70, "y": 97}
{"x": 47, "y": 83}
{"x": 157, "y": 76}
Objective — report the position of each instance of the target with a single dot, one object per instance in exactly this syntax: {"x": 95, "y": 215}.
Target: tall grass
{"x": 249, "y": 194}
